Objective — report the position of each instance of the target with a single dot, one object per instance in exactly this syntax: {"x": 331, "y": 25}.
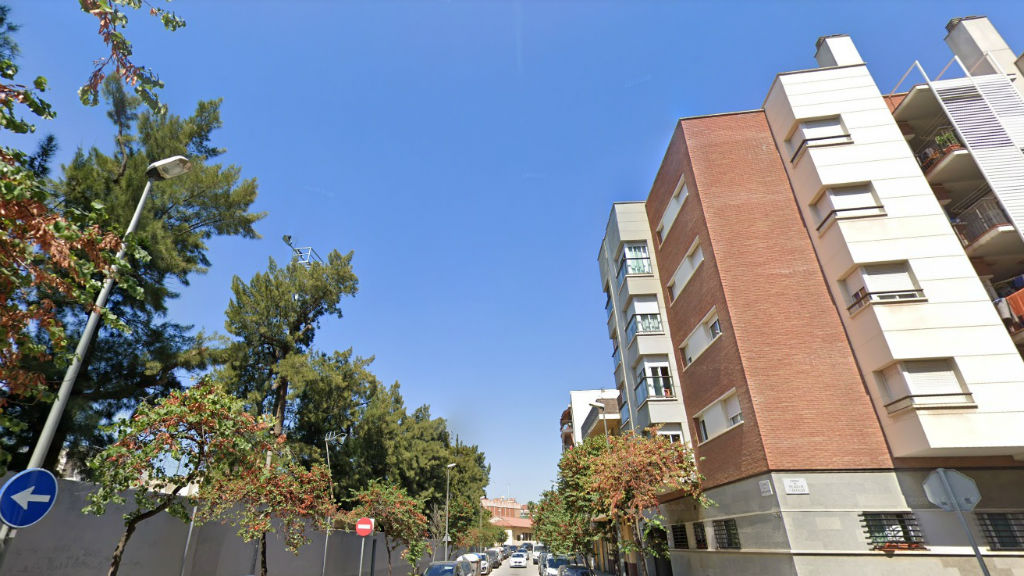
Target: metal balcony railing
{"x": 616, "y": 358}
{"x": 653, "y": 387}
{"x": 630, "y": 266}
{"x": 982, "y": 216}
{"x": 643, "y": 324}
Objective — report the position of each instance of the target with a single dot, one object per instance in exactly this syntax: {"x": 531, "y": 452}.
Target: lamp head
{"x": 597, "y": 405}
{"x": 168, "y": 168}
{"x": 452, "y": 465}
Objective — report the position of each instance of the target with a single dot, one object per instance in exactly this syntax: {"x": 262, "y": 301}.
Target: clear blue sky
{"x": 469, "y": 153}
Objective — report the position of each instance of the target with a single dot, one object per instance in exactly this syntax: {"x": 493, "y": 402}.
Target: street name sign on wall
{"x": 27, "y": 497}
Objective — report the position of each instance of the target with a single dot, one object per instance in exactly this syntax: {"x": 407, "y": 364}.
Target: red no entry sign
{"x": 364, "y": 526}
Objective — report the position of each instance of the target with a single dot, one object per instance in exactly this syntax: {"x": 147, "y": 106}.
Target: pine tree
{"x": 123, "y": 367}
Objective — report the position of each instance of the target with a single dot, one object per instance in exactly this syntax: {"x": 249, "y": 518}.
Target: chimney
{"x": 837, "y": 50}
{"x": 980, "y": 47}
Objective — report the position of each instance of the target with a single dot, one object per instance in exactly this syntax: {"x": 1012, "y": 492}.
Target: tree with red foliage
{"x": 397, "y": 515}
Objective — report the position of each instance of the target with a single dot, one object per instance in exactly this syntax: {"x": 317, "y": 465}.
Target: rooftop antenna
{"x": 304, "y": 255}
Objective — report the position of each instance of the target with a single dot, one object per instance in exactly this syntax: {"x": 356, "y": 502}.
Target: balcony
{"x": 616, "y": 357}
{"x": 985, "y": 229}
{"x": 653, "y": 387}
{"x": 624, "y": 413}
{"x": 940, "y": 143}
{"x": 643, "y": 324}
{"x": 919, "y": 401}
{"x": 633, "y": 266}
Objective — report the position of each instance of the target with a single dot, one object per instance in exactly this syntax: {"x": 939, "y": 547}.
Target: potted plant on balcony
{"x": 947, "y": 142}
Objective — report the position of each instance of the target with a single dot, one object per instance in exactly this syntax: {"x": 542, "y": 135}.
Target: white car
{"x": 518, "y": 560}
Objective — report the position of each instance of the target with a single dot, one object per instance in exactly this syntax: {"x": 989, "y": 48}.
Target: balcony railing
{"x": 863, "y": 297}
{"x": 643, "y": 324}
{"x": 653, "y": 387}
{"x": 942, "y": 142}
{"x": 624, "y": 413}
{"x": 630, "y": 266}
{"x": 982, "y": 216}
{"x": 943, "y": 400}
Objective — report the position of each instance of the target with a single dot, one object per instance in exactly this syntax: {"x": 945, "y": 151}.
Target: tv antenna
{"x": 304, "y": 255}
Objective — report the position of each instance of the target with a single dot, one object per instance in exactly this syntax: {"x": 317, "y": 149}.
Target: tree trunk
{"x": 279, "y": 405}
{"x": 642, "y": 560}
{"x": 129, "y": 529}
{"x": 115, "y": 561}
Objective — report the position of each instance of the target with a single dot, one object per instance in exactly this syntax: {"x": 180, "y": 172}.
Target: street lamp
{"x": 604, "y": 417}
{"x": 328, "y": 438}
{"x": 157, "y": 171}
{"x": 447, "y": 496}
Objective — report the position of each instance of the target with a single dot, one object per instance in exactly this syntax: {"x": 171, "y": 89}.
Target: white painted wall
{"x": 957, "y": 321}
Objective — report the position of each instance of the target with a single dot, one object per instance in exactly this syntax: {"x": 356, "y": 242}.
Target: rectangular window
{"x": 635, "y": 260}
{"x": 820, "y": 132}
{"x": 732, "y": 410}
{"x": 653, "y": 381}
{"x": 702, "y": 430}
{"x": 685, "y": 270}
{"x": 668, "y": 217}
{"x": 675, "y": 438}
{"x": 892, "y": 530}
{"x": 700, "y": 538}
{"x": 719, "y": 416}
{"x": 727, "y": 537}
{"x": 847, "y": 202}
{"x": 679, "y": 539}
{"x": 880, "y": 283}
{"x": 702, "y": 336}
{"x": 922, "y": 383}
{"x": 1003, "y": 530}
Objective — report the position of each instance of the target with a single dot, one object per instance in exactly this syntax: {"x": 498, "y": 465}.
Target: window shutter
{"x": 851, "y": 197}
{"x": 931, "y": 377}
{"x": 888, "y": 278}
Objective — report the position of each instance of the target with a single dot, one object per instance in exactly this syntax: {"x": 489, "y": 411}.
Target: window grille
{"x": 700, "y": 538}
{"x": 1003, "y": 530}
{"x": 727, "y": 536}
{"x": 679, "y": 539}
{"x": 892, "y": 530}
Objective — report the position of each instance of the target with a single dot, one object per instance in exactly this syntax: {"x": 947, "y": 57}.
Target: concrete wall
{"x": 69, "y": 543}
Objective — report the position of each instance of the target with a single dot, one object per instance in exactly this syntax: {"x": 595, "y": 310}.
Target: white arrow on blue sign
{"x": 27, "y": 497}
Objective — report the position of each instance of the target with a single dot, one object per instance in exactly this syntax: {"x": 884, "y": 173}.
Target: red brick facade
{"x": 782, "y": 346}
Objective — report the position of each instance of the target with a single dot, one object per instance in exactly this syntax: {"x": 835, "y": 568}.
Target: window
{"x": 624, "y": 413}
{"x": 668, "y": 217}
{"x": 846, "y": 202}
{"x": 635, "y": 260}
{"x": 653, "y": 380}
{"x": 674, "y": 438}
{"x": 685, "y": 270}
{"x": 727, "y": 537}
{"x": 732, "y": 410}
{"x": 702, "y": 430}
{"x": 679, "y": 540}
{"x": 922, "y": 383}
{"x": 819, "y": 132}
{"x": 702, "y": 336}
{"x": 892, "y": 530}
{"x": 1003, "y": 530}
{"x": 700, "y": 538}
{"x": 644, "y": 316}
{"x": 720, "y": 416}
{"x": 880, "y": 283}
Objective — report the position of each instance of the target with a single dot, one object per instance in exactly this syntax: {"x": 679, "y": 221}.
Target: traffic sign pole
{"x": 963, "y": 520}
{"x": 362, "y": 547}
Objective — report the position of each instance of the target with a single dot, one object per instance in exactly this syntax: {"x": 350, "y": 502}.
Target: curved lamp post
{"x": 604, "y": 417}
{"x": 160, "y": 170}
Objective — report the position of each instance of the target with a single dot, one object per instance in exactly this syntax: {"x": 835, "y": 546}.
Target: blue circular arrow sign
{"x": 27, "y": 497}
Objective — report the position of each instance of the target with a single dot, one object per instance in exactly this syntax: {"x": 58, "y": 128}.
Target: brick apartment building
{"x": 840, "y": 281}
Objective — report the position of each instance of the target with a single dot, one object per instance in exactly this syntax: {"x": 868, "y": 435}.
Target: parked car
{"x": 494, "y": 557}
{"x": 479, "y": 565}
{"x": 536, "y": 553}
{"x": 453, "y": 568}
{"x": 518, "y": 560}
{"x": 552, "y": 564}
{"x": 575, "y": 570}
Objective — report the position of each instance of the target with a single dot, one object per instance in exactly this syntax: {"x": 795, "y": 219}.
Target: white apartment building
{"x": 645, "y": 371}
